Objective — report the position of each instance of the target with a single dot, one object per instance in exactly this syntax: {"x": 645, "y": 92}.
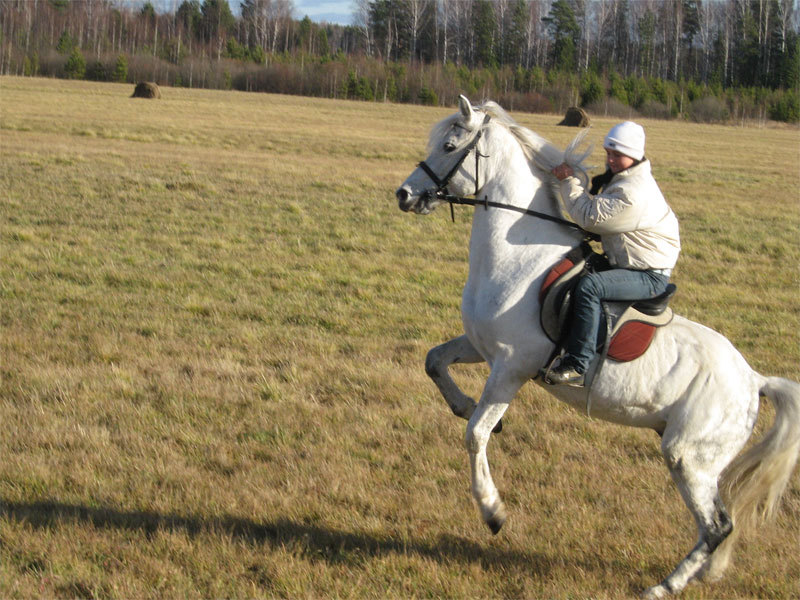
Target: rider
{"x": 639, "y": 233}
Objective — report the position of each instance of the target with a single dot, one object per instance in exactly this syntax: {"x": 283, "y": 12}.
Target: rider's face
{"x": 617, "y": 161}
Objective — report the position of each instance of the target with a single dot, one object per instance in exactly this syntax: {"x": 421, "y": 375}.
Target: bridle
{"x": 441, "y": 193}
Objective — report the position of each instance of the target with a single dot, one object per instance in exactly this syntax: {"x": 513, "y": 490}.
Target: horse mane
{"x": 538, "y": 150}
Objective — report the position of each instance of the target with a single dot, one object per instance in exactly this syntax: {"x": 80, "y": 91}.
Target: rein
{"x": 486, "y": 203}
{"x": 441, "y": 194}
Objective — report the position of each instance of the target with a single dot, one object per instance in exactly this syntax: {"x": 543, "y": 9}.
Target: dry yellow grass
{"x": 214, "y": 320}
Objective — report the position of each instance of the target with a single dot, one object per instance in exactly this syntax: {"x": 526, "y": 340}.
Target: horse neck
{"x": 502, "y": 238}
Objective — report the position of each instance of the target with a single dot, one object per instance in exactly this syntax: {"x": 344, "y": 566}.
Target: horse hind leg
{"x": 697, "y": 481}
{"x": 437, "y": 363}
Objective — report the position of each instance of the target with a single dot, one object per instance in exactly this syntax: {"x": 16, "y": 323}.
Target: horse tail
{"x": 755, "y": 481}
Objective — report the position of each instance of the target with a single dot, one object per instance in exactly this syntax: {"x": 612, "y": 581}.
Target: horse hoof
{"x": 499, "y": 427}
{"x": 497, "y": 520}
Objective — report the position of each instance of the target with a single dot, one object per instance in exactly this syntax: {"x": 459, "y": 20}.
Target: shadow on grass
{"x": 315, "y": 542}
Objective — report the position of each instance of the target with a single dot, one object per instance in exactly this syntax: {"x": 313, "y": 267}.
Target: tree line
{"x": 711, "y": 60}
{"x": 729, "y": 42}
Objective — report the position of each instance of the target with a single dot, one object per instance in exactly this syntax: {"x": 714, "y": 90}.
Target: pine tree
{"x": 121, "y": 69}
{"x": 75, "y": 68}
{"x": 515, "y": 36}
{"x": 484, "y": 27}
{"x": 563, "y": 28}
{"x": 217, "y": 19}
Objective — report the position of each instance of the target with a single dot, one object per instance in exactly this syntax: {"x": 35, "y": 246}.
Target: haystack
{"x": 146, "y": 89}
{"x": 575, "y": 117}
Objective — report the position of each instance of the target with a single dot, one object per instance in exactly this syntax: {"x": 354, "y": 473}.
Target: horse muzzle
{"x": 404, "y": 199}
{"x": 421, "y": 205}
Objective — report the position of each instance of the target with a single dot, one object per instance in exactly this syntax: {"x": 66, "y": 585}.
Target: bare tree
{"x": 786, "y": 11}
{"x": 677, "y": 33}
{"x": 419, "y": 12}
{"x": 443, "y": 20}
{"x": 461, "y": 16}
{"x": 364, "y": 25}
{"x": 501, "y": 15}
{"x": 257, "y": 14}
{"x": 539, "y": 39}
{"x": 708, "y": 14}
{"x": 453, "y": 15}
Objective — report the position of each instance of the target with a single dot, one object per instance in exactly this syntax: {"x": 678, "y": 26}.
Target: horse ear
{"x": 465, "y": 106}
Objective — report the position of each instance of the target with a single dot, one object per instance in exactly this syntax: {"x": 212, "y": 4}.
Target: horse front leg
{"x": 487, "y": 414}
{"x": 457, "y": 350}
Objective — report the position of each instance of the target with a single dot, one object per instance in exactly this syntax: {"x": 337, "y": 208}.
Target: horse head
{"x": 446, "y": 170}
{"x": 465, "y": 150}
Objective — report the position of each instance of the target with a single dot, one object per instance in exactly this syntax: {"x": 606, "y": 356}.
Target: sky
{"x": 339, "y": 12}
{"x": 332, "y": 11}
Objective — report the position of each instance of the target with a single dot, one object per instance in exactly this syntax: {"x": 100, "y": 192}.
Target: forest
{"x": 703, "y": 60}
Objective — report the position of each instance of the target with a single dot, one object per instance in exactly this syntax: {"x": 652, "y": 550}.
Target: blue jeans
{"x": 592, "y": 289}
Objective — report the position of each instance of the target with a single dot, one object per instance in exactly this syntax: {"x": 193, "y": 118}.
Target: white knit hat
{"x": 626, "y": 138}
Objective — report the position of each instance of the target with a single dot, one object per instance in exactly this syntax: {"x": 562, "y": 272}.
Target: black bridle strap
{"x": 441, "y": 182}
{"x": 486, "y": 203}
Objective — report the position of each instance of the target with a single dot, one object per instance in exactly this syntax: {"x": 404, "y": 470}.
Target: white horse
{"x": 692, "y": 386}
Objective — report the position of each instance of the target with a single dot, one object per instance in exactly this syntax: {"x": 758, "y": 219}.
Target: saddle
{"x": 630, "y": 326}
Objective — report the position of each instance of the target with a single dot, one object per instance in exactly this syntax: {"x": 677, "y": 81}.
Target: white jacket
{"x": 637, "y": 227}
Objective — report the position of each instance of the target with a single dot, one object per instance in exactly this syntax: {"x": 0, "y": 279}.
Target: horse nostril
{"x": 402, "y": 195}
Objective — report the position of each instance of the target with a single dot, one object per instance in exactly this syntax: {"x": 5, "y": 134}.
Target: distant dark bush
{"x": 655, "y": 110}
{"x": 358, "y": 88}
{"x": 708, "y": 110}
{"x": 75, "y": 67}
{"x": 611, "y": 107}
{"x": 562, "y": 96}
{"x": 785, "y": 107}
{"x": 616, "y": 88}
{"x": 592, "y": 89}
{"x": 97, "y": 71}
{"x": 275, "y": 79}
{"x": 428, "y": 97}
{"x": 532, "y": 102}
{"x": 638, "y": 91}
{"x": 30, "y": 65}
{"x": 121, "y": 69}
{"x": 695, "y": 91}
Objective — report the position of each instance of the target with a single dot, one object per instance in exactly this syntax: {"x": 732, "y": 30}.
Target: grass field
{"x": 214, "y": 321}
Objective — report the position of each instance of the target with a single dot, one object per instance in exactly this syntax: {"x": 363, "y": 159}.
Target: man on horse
{"x": 639, "y": 233}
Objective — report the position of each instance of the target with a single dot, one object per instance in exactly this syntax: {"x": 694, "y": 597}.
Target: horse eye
{"x": 449, "y": 147}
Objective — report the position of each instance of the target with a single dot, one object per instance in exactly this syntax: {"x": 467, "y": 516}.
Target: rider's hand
{"x": 563, "y": 171}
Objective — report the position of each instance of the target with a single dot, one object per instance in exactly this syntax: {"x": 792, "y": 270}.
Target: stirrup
{"x": 544, "y": 372}
{"x": 568, "y": 376}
